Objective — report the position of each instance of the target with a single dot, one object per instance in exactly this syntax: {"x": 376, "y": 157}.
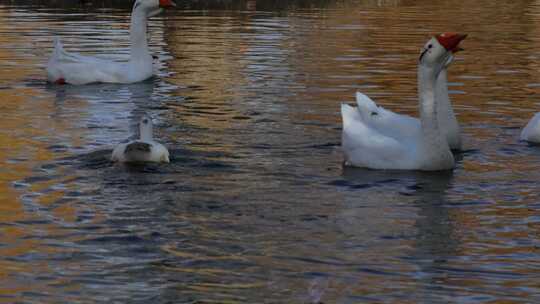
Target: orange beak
{"x": 450, "y": 41}
{"x": 166, "y": 3}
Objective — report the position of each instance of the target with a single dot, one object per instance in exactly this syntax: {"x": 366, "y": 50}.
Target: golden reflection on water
{"x": 19, "y": 153}
{"x": 26, "y": 120}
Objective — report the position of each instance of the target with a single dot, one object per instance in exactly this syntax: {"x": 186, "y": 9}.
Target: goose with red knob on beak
{"x": 388, "y": 122}
{"x": 424, "y": 147}
{"x": 70, "y": 68}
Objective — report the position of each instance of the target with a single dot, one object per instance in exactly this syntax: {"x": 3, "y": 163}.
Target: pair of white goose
{"x": 380, "y": 139}
{"x": 70, "y": 68}
{"x": 376, "y": 138}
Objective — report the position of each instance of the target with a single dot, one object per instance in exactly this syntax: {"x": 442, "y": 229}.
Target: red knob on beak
{"x": 450, "y": 41}
{"x": 166, "y": 3}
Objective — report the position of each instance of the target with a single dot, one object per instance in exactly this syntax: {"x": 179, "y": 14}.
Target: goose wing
{"x": 364, "y": 146}
{"x": 386, "y": 121}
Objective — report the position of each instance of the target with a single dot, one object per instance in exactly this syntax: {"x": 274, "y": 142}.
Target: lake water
{"x": 255, "y": 206}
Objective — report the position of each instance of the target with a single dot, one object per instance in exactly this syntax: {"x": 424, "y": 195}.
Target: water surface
{"x": 255, "y": 206}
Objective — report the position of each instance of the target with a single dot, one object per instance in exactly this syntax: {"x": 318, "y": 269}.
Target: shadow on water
{"x": 422, "y": 197}
{"x": 110, "y": 92}
{"x": 107, "y": 114}
{"x": 436, "y": 240}
{"x": 359, "y": 178}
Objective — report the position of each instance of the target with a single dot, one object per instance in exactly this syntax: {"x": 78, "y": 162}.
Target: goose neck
{"x": 138, "y": 36}
{"x": 442, "y": 84}
{"x": 435, "y": 150}
{"x": 146, "y": 132}
{"x": 426, "y": 93}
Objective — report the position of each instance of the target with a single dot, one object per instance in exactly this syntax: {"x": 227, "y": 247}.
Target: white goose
{"x": 64, "y": 67}
{"x": 531, "y": 132}
{"x": 388, "y": 122}
{"x": 366, "y": 146}
{"x": 145, "y": 149}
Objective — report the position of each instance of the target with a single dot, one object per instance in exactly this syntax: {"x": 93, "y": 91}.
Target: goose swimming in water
{"x": 65, "y": 67}
{"x": 367, "y": 146}
{"x": 386, "y": 121}
{"x": 145, "y": 149}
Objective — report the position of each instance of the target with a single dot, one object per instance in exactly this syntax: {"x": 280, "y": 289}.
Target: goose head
{"x": 152, "y": 7}
{"x": 437, "y": 52}
{"x": 145, "y": 128}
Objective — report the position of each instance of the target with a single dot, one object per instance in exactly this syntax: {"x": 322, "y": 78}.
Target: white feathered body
{"x": 385, "y": 121}
{"x": 140, "y": 151}
{"x": 531, "y": 132}
{"x": 364, "y": 146}
{"x": 375, "y": 138}
{"x": 399, "y": 125}
{"x": 72, "y": 68}
{"x": 65, "y": 67}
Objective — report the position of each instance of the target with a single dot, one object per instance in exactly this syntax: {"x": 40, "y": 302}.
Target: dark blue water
{"x": 255, "y": 206}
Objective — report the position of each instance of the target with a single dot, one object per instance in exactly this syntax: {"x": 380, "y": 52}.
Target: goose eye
{"x": 430, "y": 46}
